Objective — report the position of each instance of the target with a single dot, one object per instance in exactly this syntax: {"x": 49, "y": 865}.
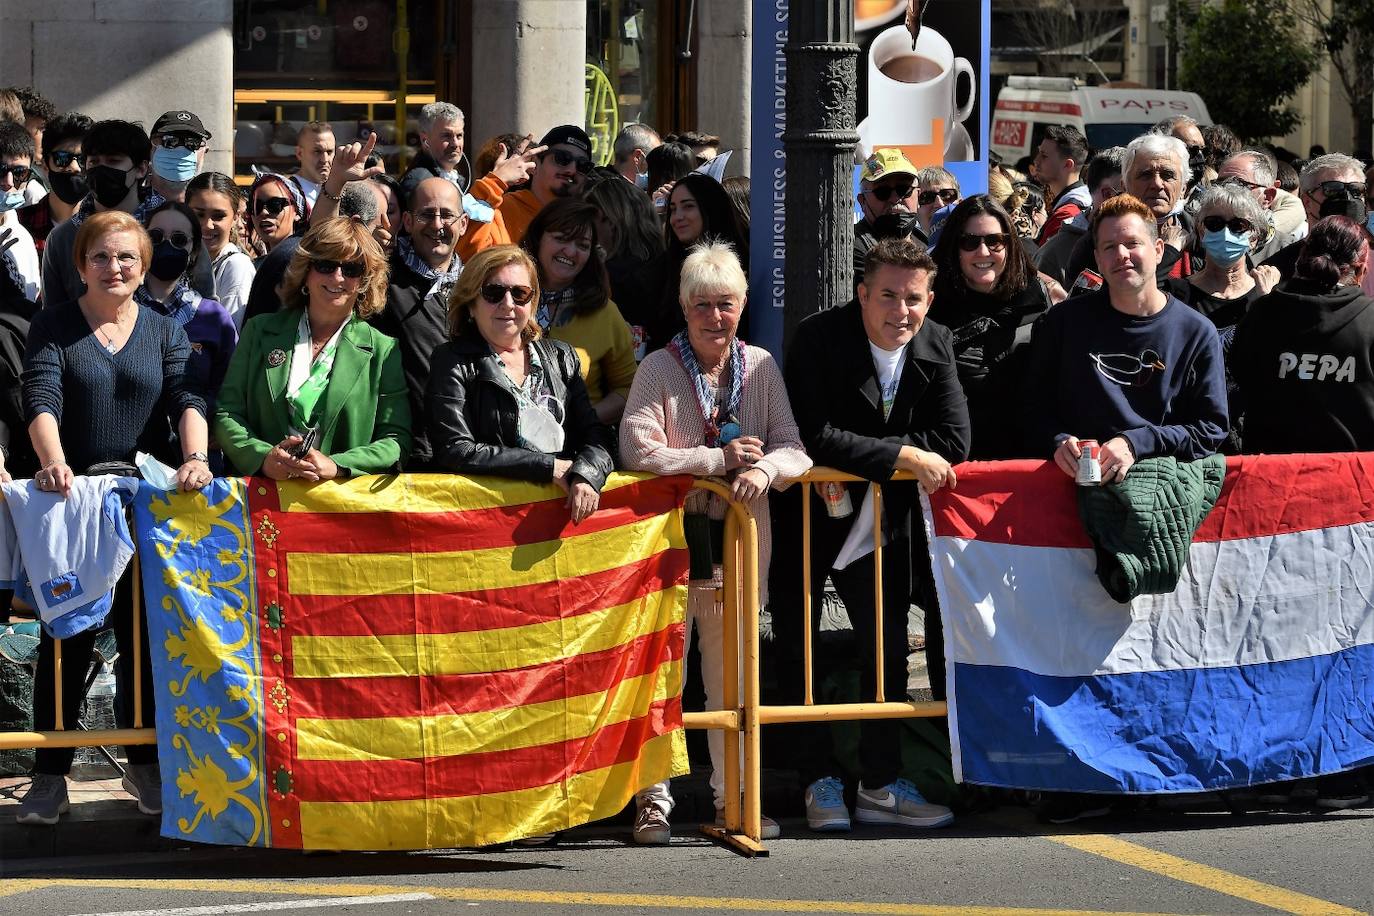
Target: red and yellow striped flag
{"x": 430, "y": 661}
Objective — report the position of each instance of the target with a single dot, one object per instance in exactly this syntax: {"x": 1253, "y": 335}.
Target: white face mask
{"x": 538, "y": 427}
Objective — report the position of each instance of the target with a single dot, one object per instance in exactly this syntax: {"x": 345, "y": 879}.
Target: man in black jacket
{"x": 874, "y": 390}
{"x": 423, "y": 271}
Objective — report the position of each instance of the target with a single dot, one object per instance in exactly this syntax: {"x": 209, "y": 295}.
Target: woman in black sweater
{"x": 988, "y": 295}
{"x": 100, "y": 376}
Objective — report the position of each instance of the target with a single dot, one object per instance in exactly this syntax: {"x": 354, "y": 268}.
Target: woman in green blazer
{"x": 313, "y": 391}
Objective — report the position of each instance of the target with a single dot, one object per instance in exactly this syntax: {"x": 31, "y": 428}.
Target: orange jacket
{"x": 485, "y": 235}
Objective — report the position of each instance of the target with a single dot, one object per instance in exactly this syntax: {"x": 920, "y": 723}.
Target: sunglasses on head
{"x": 947, "y": 196}
{"x": 20, "y": 173}
{"x": 562, "y": 157}
{"x": 351, "y": 269}
{"x": 172, "y": 141}
{"x": 1216, "y": 223}
{"x": 495, "y": 293}
{"x": 883, "y": 191}
{"x": 995, "y": 241}
{"x": 63, "y": 158}
{"x": 178, "y": 238}
{"x": 1235, "y": 181}
{"x": 1342, "y": 188}
{"x": 272, "y": 206}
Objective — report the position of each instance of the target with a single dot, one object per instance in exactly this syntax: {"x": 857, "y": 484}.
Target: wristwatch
{"x": 197, "y": 456}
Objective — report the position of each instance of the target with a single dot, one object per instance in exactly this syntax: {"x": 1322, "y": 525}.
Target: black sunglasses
{"x": 351, "y": 269}
{"x": 20, "y": 173}
{"x": 995, "y": 241}
{"x": 1235, "y": 181}
{"x": 495, "y": 293}
{"x": 948, "y": 196}
{"x": 1339, "y": 188}
{"x": 1215, "y": 223}
{"x": 272, "y": 206}
{"x": 884, "y": 191}
{"x": 172, "y": 141}
{"x": 63, "y": 158}
{"x": 178, "y": 238}
{"x": 563, "y": 157}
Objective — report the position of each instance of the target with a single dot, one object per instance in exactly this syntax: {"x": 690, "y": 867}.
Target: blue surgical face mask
{"x": 1226, "y": 247}
{"x": 13, "y": 200}
{"x": 174, "y": 164}
{"x": 642, "y": 180}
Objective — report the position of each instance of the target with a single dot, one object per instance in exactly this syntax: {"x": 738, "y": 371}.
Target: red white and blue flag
{"x": 1258, "y": 667}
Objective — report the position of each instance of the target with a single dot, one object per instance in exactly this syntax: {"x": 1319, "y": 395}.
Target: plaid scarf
{"x": 181, "y": 302}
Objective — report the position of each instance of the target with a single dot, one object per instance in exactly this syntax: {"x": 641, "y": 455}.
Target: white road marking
{"x": 270, "y": 907}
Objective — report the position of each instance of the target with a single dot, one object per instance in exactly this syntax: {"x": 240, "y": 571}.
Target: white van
{"x": 1107, "y": 115}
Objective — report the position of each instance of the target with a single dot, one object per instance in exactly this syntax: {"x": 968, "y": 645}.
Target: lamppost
{"x": 822, "y": 66}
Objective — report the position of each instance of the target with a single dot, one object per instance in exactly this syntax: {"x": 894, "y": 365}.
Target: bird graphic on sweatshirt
{"x": 1129, "y": 371}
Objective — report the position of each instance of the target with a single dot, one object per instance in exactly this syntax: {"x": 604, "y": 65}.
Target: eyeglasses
{"x": 177, "y": 238}
{"x": 1197, "y": 152}
{"x": 1235, "y": 181}
{"x": 495, "y": 293}
{"x": 172, "y": 141}
{"x": 351, "y": 269}
{"x": 63, "y": 158}
{"x": 883, "y": 191}
{"x": 272, "y": 206}
{"x": 20, "y": 173}
{"x": 1342, "y": 188}
{"x": 563, "y": 158}
{"x": 445, "y": 217}
{"x": 101, "y": 260}
{"x": 947, "y": 196}
{"x": 1216, "y": 223}
{"x": 995, "y": 241}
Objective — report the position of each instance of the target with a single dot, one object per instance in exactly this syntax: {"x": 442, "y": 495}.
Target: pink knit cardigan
{"x": 662, "y": 431}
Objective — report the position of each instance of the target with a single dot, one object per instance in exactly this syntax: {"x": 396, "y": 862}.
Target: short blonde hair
{"x": 98, "y": 225}
{"x": 476, "y": 273}
{"x": 711, "y": 267}
{"x": 339, "y": 239}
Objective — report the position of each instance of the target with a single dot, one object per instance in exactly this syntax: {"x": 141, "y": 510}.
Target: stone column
{"x": 822, "y": 61}
{"x": 724, "y": 58}
{"x": 528, "y": 67}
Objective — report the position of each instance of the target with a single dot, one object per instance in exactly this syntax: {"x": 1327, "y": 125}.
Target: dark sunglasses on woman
{"x": 947, "y": 196}
{"x": 995, "y": 241}
{"x": 351, "y": 269}
{"x": 1215, "y": 223}
{"x": 272, "y": 206}
{"x": 495, "y": 293}
{"x": 177, "y": 238}
{"x": 564, "y": 158}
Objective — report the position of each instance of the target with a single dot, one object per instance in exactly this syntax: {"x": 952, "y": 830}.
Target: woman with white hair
{"x": 1230, "y": 226}
{"x": 712, "y": 406}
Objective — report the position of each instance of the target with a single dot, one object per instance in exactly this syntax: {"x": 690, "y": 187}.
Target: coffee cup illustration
{"x": 913, "y": 99}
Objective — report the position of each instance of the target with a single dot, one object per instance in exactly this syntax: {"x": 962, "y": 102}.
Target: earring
{"x": 305, "y": 291}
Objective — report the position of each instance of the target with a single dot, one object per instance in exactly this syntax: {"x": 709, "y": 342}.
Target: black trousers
{"x": 808, "y": 746}
{"x": 77, "y": 652}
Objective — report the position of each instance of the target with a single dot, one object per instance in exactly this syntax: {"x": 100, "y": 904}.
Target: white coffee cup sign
{"x": 908, "y": 93}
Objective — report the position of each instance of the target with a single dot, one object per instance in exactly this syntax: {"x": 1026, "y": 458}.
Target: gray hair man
{"x": 1330, "y": 185}
{"x": 631, "y": 150}
{"x": 1186, "y": 130}
{"x": 441, "y": 147}
{"x": 1155, "y": 168}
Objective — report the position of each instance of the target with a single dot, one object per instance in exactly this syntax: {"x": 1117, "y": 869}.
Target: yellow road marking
{"x": 565, "y": 898}
{"x": 1195, "y": 873}
{"x": 11, "y": 886}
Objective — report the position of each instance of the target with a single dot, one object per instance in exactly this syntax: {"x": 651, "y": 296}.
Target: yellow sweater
{"x": 604, "y": 348}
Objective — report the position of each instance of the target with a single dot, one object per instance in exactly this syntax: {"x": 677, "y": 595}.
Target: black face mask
{"x": 1352, "y": 207}
{"x": 68, "y": 186}
{"x": 169, "y": 261}
{"x": 1197, "y": 165}
{"x": 895, "y": 224}
{"x": 109, "y": 184}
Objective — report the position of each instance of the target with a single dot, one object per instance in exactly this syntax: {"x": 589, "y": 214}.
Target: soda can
{"x": 836, "y": 499}
{"x": 1089, "y": 467}
{"x": 1088, "y": 281}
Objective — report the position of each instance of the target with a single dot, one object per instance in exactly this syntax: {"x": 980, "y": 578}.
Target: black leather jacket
{"x": 473, "y": 415}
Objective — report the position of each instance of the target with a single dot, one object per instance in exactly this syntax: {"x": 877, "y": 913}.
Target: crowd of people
{"x": 538, "y": 317}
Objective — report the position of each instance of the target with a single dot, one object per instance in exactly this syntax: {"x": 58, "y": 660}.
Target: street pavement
{"x": 1155, "y": 861}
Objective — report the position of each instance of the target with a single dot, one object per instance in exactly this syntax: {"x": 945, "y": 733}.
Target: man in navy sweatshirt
{"x": 1128, "y": 365}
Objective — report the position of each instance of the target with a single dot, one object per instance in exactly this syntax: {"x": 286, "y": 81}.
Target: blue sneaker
{"x": 899, "y": 803}
{"x": 825, "y": 809}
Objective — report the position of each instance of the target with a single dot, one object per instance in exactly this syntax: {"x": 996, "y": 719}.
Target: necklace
{"x": 106, "y": 341}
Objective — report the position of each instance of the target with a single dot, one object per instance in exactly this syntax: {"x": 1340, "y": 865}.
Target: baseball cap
{"x": 886, "y": 160}
{"x": 172, "y": 121}
{"x": 570, "y": 134}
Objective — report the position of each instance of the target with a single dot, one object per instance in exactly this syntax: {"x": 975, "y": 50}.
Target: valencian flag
{"x": 1258, "y": 667}
{"x": 411, "y": 662}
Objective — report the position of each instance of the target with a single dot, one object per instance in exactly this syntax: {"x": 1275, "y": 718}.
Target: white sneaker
{"x": 825, "y": 809}
{"x": 901, "y": 803}
{"x": 651, "y": 827}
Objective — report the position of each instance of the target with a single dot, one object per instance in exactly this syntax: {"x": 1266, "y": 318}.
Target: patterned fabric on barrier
{"x": 1258, "y": 667}
{"x": 411, "y": 662}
